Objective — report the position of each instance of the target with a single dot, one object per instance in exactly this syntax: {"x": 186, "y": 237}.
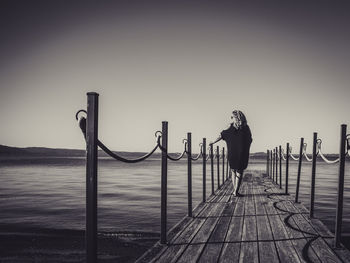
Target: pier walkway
{"x": 263, "y": 225}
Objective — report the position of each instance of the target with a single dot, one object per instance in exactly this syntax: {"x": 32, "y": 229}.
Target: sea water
{"x": 49, "y": 193}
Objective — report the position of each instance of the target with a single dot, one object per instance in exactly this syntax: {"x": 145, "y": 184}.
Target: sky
{"x": 285, "y": 64}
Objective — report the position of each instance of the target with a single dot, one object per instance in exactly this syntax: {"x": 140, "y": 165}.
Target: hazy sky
{"x": 286, "y": 66}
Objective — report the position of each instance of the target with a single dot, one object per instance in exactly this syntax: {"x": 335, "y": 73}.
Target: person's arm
{"x": 217, "y": 140}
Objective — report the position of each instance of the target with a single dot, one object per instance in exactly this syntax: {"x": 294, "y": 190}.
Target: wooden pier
{"x": 263, "y": 225}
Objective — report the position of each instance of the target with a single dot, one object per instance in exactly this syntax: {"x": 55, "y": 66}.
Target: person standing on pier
{"x": 238, "y": 139}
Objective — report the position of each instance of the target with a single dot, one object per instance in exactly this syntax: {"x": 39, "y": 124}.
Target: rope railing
{"x": 89, "y": 127}
{"x": 292, "y": 156}
{"x": 275, "y": 157}
{"x": 305, "y": 154}
{"x": 283, "y": 154}
{"x": 82, "y": 125}
{"x": 322, "y": 155}
{"x": 184, "y": 141}
{"x": 122, "y": 159}
{"x": 200, "y": 153}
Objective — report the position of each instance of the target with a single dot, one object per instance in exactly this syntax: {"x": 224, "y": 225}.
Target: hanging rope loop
{"x": 283, "y": 155}
{"x": 184, "y": 141}
{"x": 304, "y": 153}
{"x": 200, "y": 153}
{"x": 82, "y": 125}
{"x": 291, "y": 155}
{"x": 319, "y": 149}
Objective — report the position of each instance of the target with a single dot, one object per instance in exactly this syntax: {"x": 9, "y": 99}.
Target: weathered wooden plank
{"x": 264, "y": 229}
{"x": 229, "y": 208}
{"x": 230, "y": 253}
{"x": 191, "y": 253}
{"x": 217, "y": 211}
{"x": 277, "y": 226}
{"x": 324, "y": 252}
{"x": 220, "y": 192}
{"x": 206, "y": 212}
{"x": 201, "y": 231}
{"x": 152, "y": 254}
{"x": 203, "y": 234}
{"x": 249, "y": 201}
{"x": 188, "y": 233}
{"x": 210, "y": 253}
{"x": 249, "y": 229}
{"x": 259, "y": 202}
{"x": 316, "y": 227}
{"x": 295, "y": 236}
{"x": 299, "y": 245}
{"x": 235, "y": 229}
{"x": 220, "y": 230}
{"x": 298, "y": 241}
{"x": 239, "y": 210}
{"x": 286, "y": 251}
{"x": 268, "y": 252}
{"x": 171, "y": 254}
{"x": 249, "y": 252}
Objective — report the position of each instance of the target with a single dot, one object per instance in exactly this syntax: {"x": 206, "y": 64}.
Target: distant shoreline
{"x": 8, "y": 152}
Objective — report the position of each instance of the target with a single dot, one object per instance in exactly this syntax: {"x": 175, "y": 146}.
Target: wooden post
{"x": 339, "y": 215}
{"x": 91, "y": 177}
{"x": 299, "y": 169}
{"x": 212, "y": 168}
{"x": 287, "y": 167}
{"x": 271, "y": 157}
{"x": 273, "y": 165}
{"x": 218, "y": 164}
{"x": 189, "y": 173}
{"x": 223, "y": 165}
{"x": 164, "y": 179}
{"x": 280, "y": 160}
{"x": 313, "y": 175}
{"x": 204, "y": 168}
{"x": 276, "y": 154}
{"x": 267, "y": 163}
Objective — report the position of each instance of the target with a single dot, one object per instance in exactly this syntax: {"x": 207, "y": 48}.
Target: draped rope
{"x": 282, "y": 154}
{"x": 292, "y": 156}
{"x": 82, "y": 125}
{"x": 184, "y": 141}
{"x": 304, "y": 153}
{"x": 324, "y": 157}
{"x": 122, "y": 159}
{"x": 200, "y": 153}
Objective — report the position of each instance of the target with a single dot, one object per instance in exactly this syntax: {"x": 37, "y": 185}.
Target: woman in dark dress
{"x": 238, "y": 139}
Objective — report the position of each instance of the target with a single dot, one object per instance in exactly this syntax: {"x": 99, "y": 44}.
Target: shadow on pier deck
{"x": 264, "y": 225}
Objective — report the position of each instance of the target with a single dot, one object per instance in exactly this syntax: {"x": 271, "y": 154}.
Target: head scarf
{"x": 238, "y": 119}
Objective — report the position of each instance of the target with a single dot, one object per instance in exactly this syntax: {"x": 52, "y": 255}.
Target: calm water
{"x": 50, "y": 193}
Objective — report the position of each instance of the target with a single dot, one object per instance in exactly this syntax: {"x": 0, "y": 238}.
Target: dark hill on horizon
{"x": 13, "y": 152}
